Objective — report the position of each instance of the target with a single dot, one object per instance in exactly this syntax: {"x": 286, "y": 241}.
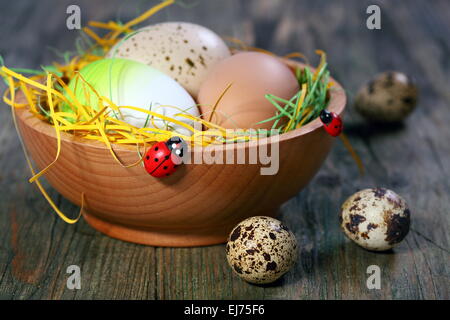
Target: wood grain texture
{"x": 414, "y": 160}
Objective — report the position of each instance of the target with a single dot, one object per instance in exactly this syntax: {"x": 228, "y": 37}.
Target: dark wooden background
{"x": 36, "y": 247}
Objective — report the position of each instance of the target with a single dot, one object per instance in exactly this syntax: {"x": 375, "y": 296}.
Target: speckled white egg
{"x": 376, "y": 219}
{"x": 261, "y": 249}
{"x": 184, "y": 51}
{"x": 389, "y": 97}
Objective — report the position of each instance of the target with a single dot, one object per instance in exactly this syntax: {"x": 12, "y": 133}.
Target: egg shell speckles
{"x": 184, "y": 51}
{"x": 389, "y": 97}
{"x": 376, "y": 219}
{"x": 261, "y": 249}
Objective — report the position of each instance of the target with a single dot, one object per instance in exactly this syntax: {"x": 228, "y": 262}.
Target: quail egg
{"x": 389, "y": 97}
{"x": 261, "y": 249}
{"x": 376, "y": 219}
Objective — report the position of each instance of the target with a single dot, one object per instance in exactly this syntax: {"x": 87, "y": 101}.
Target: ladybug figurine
{"x": 332, "y": 123}
{"x": 163, "y": 158}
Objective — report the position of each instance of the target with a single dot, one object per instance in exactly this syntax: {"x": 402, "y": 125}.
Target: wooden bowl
{"x": 198, "y": 205}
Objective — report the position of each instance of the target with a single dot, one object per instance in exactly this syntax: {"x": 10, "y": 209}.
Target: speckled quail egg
{"x": 261, "y": 249}
{"x": 184, "y": 51}
{"x": 389, "y": 97}
{"x": 376, "y": 219}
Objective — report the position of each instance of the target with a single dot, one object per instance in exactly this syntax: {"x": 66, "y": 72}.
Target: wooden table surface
{"x": 36, "y": 247}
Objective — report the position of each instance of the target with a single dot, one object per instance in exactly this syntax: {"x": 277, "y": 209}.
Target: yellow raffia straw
{"x": 101, "y": 112}
{"x": 28, "y": 96}
{"x": 160, "y": 116}
{"x": 8, "y": 101}
{"x": 308, "y": 110}
{"x": 353, "y": 153}
{"x": 110, "y": 148}
{"x": 38, "y": 183}
{"x": 79, "y": 107}
{"x": 110, "y": 25}
{"x": 142, "y": 17}
{"x": 297, "y": 55}
{"x": 93, "y": 35}
{"x": 207, "y": 124}
{"x": 33, "y": 83}
{"x": 218, "y": 100}
{"x": 323, "y": 60}
{"x": 55, "y": 124}
{"x": 245, "y": 47}
{"x": 239, "y": 42}
{"x": 298, "y": 106}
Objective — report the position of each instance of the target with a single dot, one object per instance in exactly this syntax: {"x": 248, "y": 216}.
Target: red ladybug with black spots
{"x": 163, "y": 158}
{"x": 332, "y": 122}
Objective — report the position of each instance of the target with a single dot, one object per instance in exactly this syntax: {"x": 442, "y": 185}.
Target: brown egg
{"x": 253, "y": 75}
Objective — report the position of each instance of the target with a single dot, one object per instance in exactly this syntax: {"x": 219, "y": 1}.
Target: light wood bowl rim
{"x": 336, "y": 104}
